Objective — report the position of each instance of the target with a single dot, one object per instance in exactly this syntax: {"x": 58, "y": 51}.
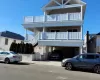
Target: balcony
{"x": 69, "y": 19}
{"x": 56, "y": 17}
{"x": 60, "y": 36}
{"x": 56, "y": 38}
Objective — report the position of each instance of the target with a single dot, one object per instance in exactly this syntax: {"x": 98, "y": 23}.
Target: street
{"x": 25, "y": 71}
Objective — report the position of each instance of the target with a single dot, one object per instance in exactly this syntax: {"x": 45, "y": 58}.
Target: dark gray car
{"x": 85, "y": 61}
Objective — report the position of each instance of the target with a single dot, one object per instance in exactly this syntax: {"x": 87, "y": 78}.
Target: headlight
{"x": 64, "y": 60}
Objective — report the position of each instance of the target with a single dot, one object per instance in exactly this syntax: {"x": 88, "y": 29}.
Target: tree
{"x": 11, "y": 46}
{"x": 31, "y": 48}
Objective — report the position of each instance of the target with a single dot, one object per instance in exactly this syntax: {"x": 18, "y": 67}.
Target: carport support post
{"x": 26, "y": 35}
{"x": 80, "y": 50}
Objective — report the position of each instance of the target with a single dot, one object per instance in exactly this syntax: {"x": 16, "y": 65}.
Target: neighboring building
{"x": 7, "y": 37}
{"x": 92, "y": 44}
{"x": 60, "y": 28}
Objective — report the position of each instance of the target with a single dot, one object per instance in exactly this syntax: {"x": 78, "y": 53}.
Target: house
{"x": 60, "y": 28}
{"x": 92, "y": 43}
{"x": 7, "y": 37}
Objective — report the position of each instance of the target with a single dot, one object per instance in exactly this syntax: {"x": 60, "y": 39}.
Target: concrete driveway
{"x": 26, "y": 71}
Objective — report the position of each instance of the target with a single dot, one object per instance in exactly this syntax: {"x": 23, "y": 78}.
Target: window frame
{"x": 6, "y": 41}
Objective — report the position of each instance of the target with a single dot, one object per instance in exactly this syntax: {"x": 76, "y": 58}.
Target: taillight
{"x": 14, "y": 56}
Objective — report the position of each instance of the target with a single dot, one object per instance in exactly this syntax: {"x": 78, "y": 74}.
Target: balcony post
{"x": 26, "y": 36}
{"x": 45, "y": 16}
{"x": 81, "y": 12}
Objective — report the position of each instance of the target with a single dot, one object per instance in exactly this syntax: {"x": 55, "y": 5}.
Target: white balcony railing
{"x": 60, "y": 36}
{"x": 54, "y": 36}
{"x": 56, "y": 17}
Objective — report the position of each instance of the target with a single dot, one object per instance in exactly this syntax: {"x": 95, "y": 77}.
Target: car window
{"x": 82, "y": 56}
{"x": 4, "y": 53}
{"x": 97, "y": 56}
{"x": 13, "y": 52}
{"x": 90, "y": 56}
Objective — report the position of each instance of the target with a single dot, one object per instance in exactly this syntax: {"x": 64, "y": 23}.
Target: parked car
{"x": 55, "y": 55}
{"x": 10, "y": 56}
{"x": 86, "y": 61}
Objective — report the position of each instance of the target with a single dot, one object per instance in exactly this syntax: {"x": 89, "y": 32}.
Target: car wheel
{"x": 97, "y": 69}
{"x": 7, "y": 61}
{"x": 69, "y": 66}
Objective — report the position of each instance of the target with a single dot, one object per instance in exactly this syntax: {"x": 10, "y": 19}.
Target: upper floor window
{"x": 55, "y": 30}
{"x": 72, "y": 30}
{"x": 6, "y": 41}
{"x": 14, "y": 41}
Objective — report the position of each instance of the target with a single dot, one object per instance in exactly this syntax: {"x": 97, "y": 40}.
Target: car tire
{"x": 69, "y": 66}
{"x": 7, "y": 61}
{"x": 97, "y": 69}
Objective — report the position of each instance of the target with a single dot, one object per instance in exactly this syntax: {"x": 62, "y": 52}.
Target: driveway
{"x": 26, "y": 71}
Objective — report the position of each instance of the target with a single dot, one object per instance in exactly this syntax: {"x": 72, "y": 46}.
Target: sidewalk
{"x": 52, "y": 63}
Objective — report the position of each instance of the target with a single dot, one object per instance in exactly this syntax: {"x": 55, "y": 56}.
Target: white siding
{"x": 98, "y": 41}
{"x": 6, "y": 47}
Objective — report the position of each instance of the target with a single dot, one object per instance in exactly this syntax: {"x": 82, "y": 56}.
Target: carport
{"x": 67, "y": 52}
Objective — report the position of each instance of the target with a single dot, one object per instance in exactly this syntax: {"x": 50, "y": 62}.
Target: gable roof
{"x": 12, "y": 35}
{"x": 60, "y": 2}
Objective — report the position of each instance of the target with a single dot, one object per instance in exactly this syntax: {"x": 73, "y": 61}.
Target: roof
{"x": 59, "y": 2}
{"x": 12, "y": 35}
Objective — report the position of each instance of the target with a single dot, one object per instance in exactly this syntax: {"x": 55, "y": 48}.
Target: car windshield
{"x": 75, "y": 56}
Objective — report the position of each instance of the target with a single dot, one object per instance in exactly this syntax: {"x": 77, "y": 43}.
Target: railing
{"x": 33, "y": 39}
{"x": 55, "y": 17}
{"x": 60, "y": 36}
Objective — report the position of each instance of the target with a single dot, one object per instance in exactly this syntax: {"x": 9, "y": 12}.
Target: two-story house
{"x": 60, "y": 28}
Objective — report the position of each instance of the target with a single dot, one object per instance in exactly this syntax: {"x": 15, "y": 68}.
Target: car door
{"x": 3, "y": 55}
{"x": 90, "y": 60}
{"x": 79, "y": 62}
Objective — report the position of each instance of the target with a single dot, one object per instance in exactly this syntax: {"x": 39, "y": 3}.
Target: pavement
{"x": 52, "y": 63}
{"x": 26, "y": 71}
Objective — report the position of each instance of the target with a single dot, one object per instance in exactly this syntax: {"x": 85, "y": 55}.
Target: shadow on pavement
{"x": 83, "y": 70}
{"x": 21, "y": 63}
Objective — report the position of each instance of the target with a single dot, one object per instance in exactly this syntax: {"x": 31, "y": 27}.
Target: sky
{"x": 12, "y": 13}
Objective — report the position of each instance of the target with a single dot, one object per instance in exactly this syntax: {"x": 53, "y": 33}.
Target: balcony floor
{"x": 53, "y": 24}
{"x": 70, "y": 43}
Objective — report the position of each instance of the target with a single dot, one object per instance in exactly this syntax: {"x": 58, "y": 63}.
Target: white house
{"x": 60, "y": 28}
{"x": 7, "y": 37}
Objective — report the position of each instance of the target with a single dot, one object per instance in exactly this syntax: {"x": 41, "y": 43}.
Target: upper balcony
{"x": 68, "y": 19}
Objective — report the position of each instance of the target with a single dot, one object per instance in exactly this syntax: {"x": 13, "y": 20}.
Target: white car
{"x": 10, "y": 56}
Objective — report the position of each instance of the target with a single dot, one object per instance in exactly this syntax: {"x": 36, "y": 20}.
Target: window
{"x": 74, "y": 30}
{"x": 82, "y": 56}
{"x": 14, "y": 41}
{"x": 90, "y": 56}
{"x": 96, "y": 56}
{"x": 55, "y": 30}
{"x": 6, "y": 41}
{"x": 4, "y": 53}
{"x": 70, "y": 30}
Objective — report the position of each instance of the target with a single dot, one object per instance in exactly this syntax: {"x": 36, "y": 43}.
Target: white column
{"x": 45, "y": 18}
{"x": 81, "y": 12}
{"x": 81, "y": 19}
{"x": 81, "y": 32}
{"x": 26, "y": 35}
{"x": 44, "y": 29}
{"x": 80, "y": 49}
